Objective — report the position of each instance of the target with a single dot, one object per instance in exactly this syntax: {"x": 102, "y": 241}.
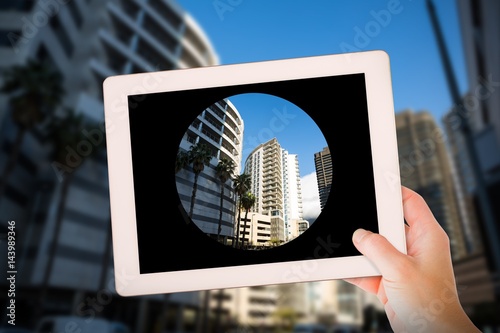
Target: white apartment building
{"x": 257, "y": 308}
{"x": 265, "y": 167}
{"x": 275, "y": 180}
{"x": 296, "y": 228}
{"x": 255, "y": 230}
{"x": 292, "y": 190}
{"x": 250, "y": 307}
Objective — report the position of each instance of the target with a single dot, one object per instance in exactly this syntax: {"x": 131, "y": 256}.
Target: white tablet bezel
{"x": 128, "y": 280}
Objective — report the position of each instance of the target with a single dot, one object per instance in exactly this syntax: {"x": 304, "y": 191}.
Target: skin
{"x": 418, "y": 289}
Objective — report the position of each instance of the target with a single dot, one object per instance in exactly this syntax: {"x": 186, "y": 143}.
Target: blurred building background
{"x": 56, "y": 190}
{"x": 425, "y": 166}
{"x": 64, "y": 256}
{"x": 471, "y": 132}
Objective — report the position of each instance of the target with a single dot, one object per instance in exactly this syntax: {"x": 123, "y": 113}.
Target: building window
{"x": 153, "y": 57}
{"x": 160, "y": 34}
{"x": 167, "y": 13}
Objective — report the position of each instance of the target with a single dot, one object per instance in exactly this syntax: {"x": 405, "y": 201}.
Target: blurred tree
{"x": 285, "y": 318}
{"x": 199, "y": 156}
{"x": 247, "y": 202}
{"x": 224, "y": 171}
{"x": 35, "y": 92}
{"x": 241, "y": 185}
{"x": 65, "y": 134}
{"x": 203, "y": 318}
{"x": 274, "y": 241}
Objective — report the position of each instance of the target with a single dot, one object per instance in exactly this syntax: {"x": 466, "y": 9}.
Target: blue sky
{"x": 257, "y": 30}
{"x": 267, "y": 116}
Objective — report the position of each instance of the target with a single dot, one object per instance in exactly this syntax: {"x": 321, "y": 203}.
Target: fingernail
{"x": 359, "y": 234}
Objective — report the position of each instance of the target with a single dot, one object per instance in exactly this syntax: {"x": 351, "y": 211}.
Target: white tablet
{"x": 206, "y": 172}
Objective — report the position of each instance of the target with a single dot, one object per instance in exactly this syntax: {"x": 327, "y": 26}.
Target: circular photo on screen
{"x": 253, "y": 171}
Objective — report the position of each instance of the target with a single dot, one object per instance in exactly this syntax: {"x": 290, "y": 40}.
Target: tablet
{"x": 251, "y": 174}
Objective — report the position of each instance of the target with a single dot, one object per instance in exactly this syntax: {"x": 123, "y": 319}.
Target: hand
{"x": 418, "y": 289}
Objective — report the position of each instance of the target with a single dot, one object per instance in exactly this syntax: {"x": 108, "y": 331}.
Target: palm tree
{"x": 199, "y": 156}
{"x": 223, "y": 171}
{"x": 182, "y": 161}
{"x": 35, "y": 92}
{"x": 247, "y": 202}
{"x": 63, "y": 132}
{"x": 241, "y": 185}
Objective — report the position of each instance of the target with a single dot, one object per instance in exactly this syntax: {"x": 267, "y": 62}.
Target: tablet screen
{"x": 177, "y": 233}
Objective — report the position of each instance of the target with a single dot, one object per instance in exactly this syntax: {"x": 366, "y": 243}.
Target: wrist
{"x": 453, "y": 320}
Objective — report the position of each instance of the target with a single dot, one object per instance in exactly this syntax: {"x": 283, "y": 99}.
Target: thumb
{"x": 380, "y": 252}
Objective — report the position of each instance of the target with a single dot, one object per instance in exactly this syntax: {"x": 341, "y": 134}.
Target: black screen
{"x": 169, "y": 241}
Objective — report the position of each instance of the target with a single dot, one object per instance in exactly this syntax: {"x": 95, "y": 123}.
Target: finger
{"x": 380, "y": 252}
{"x": 415, "y": 208}
{"x": 369, "y": 284}
{"x": 423, "y": 227}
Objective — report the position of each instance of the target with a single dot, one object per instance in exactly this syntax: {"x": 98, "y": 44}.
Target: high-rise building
{"x": 85, "y": 41}
{"x": 479, "y": 167}
{"x": 295, "y": 224}
{"x": 292, "y": 188}
{"x": 265, "y": 167}
{"x": 276, "y": 184}
{"x": 323, "y": 164}
{"x": 465, "y": 181}
{"x": 472, "y": 269}
{"x": 425, "y": 167}
{"x": 220, "y": 128}
{"x": 479, "y": 26}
